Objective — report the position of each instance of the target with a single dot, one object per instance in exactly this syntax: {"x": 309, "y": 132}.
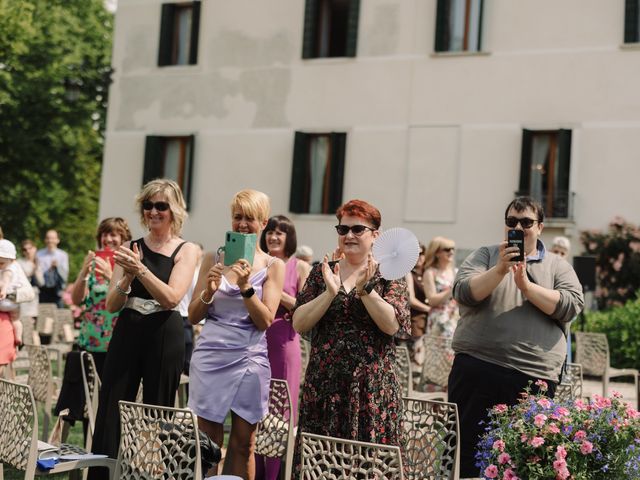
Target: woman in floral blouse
{"x": 351, "y": 314}
{"x": 90, "y": 290}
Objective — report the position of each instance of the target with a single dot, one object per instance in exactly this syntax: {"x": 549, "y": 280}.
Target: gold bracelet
{"x": 202, "y": 299}
{"x": 122, "y": 292}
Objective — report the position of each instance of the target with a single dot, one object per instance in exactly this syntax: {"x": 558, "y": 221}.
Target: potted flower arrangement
{"x": 539, "y": 439}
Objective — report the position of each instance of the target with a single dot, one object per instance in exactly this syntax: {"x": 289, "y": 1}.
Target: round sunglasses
{"x": 159, "y": 206}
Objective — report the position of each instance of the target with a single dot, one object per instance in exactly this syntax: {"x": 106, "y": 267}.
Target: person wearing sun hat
{"x": 12, "y": 291}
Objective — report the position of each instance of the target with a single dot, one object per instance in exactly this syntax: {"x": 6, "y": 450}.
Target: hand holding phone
{"x": 515, "y": 238}
{"x": 105, "y": 264}
{"x": 239, "y": 245}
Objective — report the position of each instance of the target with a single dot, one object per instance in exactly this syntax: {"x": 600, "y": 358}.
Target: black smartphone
{"x": 515, "y": 238}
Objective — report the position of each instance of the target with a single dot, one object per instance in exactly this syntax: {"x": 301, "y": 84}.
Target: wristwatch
{"x": 248, "y": 293}
{"x": 366, "y": 290}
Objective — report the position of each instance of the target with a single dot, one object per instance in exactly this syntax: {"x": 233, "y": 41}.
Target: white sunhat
{"x": 7, "y": 249}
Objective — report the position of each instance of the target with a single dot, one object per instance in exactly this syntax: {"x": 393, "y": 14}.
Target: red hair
{"x": 362, "y": 209}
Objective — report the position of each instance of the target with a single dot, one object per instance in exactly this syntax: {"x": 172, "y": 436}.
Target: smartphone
{"x": 106, "y": 254}
{"x": 515, "y": 238}
{"x": 239, "y": 245}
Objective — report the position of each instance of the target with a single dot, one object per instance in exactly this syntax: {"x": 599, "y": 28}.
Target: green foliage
{"x": 622, "y": 326}
{"x": 617, "y": 253}
{"x": 55, "y": 69}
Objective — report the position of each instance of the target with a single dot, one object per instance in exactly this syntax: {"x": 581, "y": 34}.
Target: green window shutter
{"x": 166, "y": 35}
{"x": 480, "y": 16}
{"x": 352, "y": 28}
{"x": 564, "y": 159}
{"x": 525, "y": 162}
{"x": 188, "y": 175}
{"x": 631, "y": 8}
{"x": 310, "y": 29}
{"x": 153, "y": 158}
{"x": 443, "y": 11}
{"x": 336, "y": 179}
{"x": 299, "y": 174}
{"x": 195, "y": 33}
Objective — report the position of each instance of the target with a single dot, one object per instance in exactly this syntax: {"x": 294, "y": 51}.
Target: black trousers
{"x": 143, "y": 347}
{"x": 476, "y": 386}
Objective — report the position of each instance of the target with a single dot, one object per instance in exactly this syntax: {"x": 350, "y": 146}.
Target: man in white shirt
{"x": 54, "y": 264}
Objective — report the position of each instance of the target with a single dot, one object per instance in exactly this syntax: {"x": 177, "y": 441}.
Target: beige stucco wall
{"x": 433, "y": 140}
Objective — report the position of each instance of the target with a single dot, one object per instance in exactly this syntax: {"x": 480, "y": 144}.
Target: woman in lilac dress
{"x": 279, "y": 239}
{"x": 230, "y": 366}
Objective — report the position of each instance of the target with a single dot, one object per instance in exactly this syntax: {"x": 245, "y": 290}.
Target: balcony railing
{"x": 558, "y": 205}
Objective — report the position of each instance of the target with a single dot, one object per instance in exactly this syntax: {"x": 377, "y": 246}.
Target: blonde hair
{"x": 172, "y": 192}
{"x": 252, "y": 203}
{"x": 435, "y": 245}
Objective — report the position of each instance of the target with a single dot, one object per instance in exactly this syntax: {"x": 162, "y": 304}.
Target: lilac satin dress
{"x": 230, "y": 366}
{"x": 285, "y": 359}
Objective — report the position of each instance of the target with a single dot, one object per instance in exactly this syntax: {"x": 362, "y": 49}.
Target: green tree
{"x": 55, "y": 65}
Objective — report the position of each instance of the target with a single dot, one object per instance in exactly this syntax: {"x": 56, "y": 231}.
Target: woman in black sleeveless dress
{"x": 151, "y": 276}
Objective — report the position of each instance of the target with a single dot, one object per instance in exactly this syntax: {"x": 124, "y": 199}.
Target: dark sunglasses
{"x": 356, "y": 229}
{"x": 448, "y": 249}
{"x": 159, "y": 206}
{"x": 526, "y": 223}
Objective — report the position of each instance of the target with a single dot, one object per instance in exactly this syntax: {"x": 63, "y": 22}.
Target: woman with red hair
{"x": 351, "y": 314}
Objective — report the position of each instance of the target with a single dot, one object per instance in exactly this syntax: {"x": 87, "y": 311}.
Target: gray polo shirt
{"x": 507, "y": 330}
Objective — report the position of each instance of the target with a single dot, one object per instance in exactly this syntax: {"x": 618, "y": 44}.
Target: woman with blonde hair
{"x": 230, "y": 365}
{"x": 438, "y": 279}
{"x": 150, "y": 277}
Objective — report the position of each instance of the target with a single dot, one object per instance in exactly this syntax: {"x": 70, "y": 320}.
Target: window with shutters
{"x": 632, "y": 21}
{"x": 459, "y": 26}
{"x": 179, "y": 30}
{"x": 330, "y": 28}
{"x": 318, "y": 172}
{"x": 545, "y": 168}
{"x": 172, "y": 158}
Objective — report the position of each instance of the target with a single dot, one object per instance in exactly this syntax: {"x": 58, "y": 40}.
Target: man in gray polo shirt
{"x": 513, "y": 324}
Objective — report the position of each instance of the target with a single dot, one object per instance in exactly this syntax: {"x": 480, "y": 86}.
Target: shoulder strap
{"x": 175, "y": 252}
{"x": 271, "y": 260}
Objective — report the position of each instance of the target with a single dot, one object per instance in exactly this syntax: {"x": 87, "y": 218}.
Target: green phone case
{"x": 239, "y": 245}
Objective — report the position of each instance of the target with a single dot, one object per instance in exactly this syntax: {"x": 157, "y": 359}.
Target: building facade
{"x": 436, "y": 111}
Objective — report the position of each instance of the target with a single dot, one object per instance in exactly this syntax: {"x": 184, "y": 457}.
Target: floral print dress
{"x": 97, "y": 322}
{"x": 351, "y": 389}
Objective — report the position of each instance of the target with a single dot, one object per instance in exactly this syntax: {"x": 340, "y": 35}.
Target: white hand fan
{"x": 396, "y": 250}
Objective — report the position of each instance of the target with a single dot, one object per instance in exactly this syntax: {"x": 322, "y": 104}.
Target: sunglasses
{"x": 356, "y": 229}
{"x": 448, "y": 249}
{"x": 526, "y": 223}
{"x": 159, "y": 206}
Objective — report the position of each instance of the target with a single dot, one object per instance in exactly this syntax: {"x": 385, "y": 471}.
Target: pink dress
{"x": 7, "y": 339}
{"x": 283, "y": 344}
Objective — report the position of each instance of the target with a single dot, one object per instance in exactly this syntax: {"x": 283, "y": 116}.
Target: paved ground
{"x": 591, "y": 386}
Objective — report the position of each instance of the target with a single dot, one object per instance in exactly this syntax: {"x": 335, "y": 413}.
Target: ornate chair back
{"x": 41, "y": 382}
{"x": 433, "y": 439}
{"x": 158, "y": 442}
{"x": 571, "y": 387}
{"x": 438, "y": 361}
{"x": 275, "y": 434}
{"x": 329, "y": 457}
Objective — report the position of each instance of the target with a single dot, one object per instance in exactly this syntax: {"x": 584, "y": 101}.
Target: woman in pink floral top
{"x": 351, "y": 314}
{"x": 90, "y": 291}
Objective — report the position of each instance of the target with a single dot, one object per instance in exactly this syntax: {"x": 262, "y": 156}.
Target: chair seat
{"x": 622, "y": 372}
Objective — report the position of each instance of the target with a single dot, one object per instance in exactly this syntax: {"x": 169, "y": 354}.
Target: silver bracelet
{"x": 203, "y": 300}
{"x": 122, "y": 292}
{"x": 141, "y": 274}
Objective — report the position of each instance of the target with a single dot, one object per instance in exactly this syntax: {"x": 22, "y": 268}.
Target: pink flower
{"x": 632, "y": 412}
{"x": 500, "y": 408}
{"x": 580, "y": 406}
{"x": 491, "y": 471}
{"x": 544, "y": 403}
{"x": 553, "y": 428}
{"x": 504, "y": 458}
{"x": 559, "y": 464}
{"x": 539, "y": 420}
{"x": 524, "y": 438}
{"x": 562, "y": 411}
{"x": 537, "y": 441}
{"x": 509, "y": 475}
{"x": 580, "y": 435}
{"x": 586, "y": 447}
{"x": 616, "y": 394}
{"x": 542, "y": 384}
{"x": 561, "y": 452}
{"x": 498, "y": 445}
